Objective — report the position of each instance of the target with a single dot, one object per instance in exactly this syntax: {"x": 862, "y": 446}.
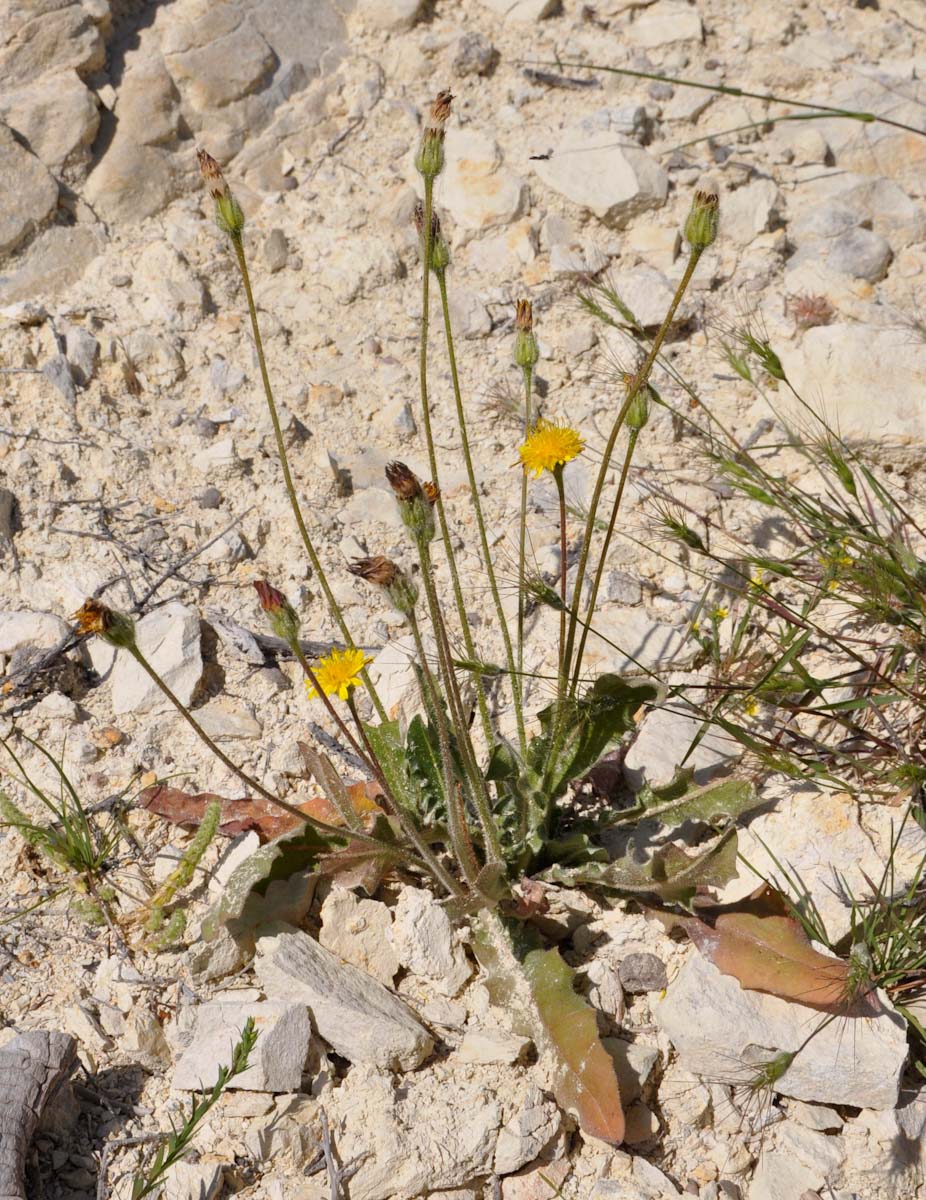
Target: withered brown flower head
{"x": 440, "y": 110}
{"x": 283, "y": 618}
{"x": 113, "y": 627}
{"x": 212, "y": 174}
{"x": 431, "y": 492}
{"x": 404, "y": 482}
{"x": 93, "y": 617}
{"x": 378, "y": 569}
{"x": 524, "y": 316}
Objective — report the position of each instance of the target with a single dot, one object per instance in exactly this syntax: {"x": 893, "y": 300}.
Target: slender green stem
{"x": 866, "y": 118}
{"x": 477, "y": 509}
{"x": 477, "y": 784}
{"x": 238, "y": 244}
{"x": 220, "y": 754}
{"x": 561, "y": 493}
{"x": 528, "y": 373}
{"x": 640, "y": 379}
{"x": 432, "y": 459}
{"x": 602, "y": 560}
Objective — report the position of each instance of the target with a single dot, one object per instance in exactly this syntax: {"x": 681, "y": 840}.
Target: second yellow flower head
{"x": 338, "y": 672}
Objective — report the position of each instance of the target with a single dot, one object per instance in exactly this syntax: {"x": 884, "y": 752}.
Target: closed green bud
{"x": 283, "y": 618}
{"x": 526, "y": 350}
{"x": 701, "y": 223}
{"x": 439, "y": 249}
{"x": 228, "y": 215}
{"x": 639, "y": 410}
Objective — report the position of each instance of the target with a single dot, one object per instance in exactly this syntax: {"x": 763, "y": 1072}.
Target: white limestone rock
{"x": 352, "y": 1012}
{"x": 425, "y": 941}
{"x": 169, "y": 638}
{"x": 475, "y": 187}
{"x": 357, "y": 931}
{"x": 279, "y": 1056}
{"x": 722, "y": 1030}
{"x": 598, "y": 167}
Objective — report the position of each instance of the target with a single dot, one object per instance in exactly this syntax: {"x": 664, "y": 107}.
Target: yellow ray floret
{"x": 338, "y": 672}
{"x": 549, "y": 446}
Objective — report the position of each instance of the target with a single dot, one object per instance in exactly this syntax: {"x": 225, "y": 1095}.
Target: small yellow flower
{"x": 720, "y": 613}
{"x": 549, "y": 446}
{"x": 338, "y": 672}
{"x": 751, "y": 707}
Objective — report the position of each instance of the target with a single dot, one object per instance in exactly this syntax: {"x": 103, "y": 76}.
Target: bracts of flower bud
{"x": 399, "y": 587}
{"x": 228, "y": 214}
{"x": 526, "y": 350}
{"x": 284, "y": 620}
{"x": 702, "y": 221}
{"x": 439, "y": 250}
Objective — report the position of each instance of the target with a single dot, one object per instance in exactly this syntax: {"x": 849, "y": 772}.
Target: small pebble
{"x": 642, "y": 972}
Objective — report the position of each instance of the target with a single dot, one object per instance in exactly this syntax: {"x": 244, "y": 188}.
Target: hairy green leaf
{"x": 713, "y": 804}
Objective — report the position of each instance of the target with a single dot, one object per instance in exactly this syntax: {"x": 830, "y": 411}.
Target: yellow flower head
{"x": 549, "y": 446}
{"x": 720, "y": 613}
{"x": 338, "y": 672}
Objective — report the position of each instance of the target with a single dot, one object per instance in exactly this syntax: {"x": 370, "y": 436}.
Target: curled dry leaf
{"x": 761, "y": 945}
{"x": 239, "y": 816}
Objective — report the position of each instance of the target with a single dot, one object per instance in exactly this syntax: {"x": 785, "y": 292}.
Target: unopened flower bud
{"x": 429, "y": 161}
{"x": 399, "y": 587}
{"x": 526, "y": 350}
{"x": 643, "y": 397}
{"x": 228, "y": 214}
{"x": 113, "y": 627}
{"x": 702, "y": 220}
{"x": 439, "y": 250}
{"x": 283, "y": 618}
{"x": 415, "y": 500}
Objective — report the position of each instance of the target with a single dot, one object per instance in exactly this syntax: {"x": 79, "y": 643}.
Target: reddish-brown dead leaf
{"x": 766, "y": 950}
{"x": 238, "y": 816}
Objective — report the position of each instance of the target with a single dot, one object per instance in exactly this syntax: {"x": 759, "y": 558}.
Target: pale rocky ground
{"x": 134, "y": 442}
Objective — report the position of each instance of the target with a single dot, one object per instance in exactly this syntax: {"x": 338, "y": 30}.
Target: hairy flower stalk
{"x": 526, "y": 356}
{"x": 430, "y": 162}
{"x": 440, "y": 258}
{"x": 230, "y": 219}
{"x": 704, "y": 231}
{"x": 637, "y": 416}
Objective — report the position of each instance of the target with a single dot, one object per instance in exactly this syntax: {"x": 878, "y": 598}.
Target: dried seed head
{"x": 430, "y": 158}
{"x": 404, "y": 482}
{"x": 415, "y": 500}
{"x": 400, "y": 589}
{"x": 379, "y": 569}
{"x": 526, "y": 350}
{"x": 701, "y": 223}
{"x": 283, "y": 618}
{"x": 228, "y": 214}
{"x": 113, "y": 627}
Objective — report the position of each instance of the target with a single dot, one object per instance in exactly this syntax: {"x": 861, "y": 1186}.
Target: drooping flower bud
{"x": 701, "y": 223}
{"x": 526, "y": 350}
{"x": 644, "y": 396}
{"x": 228, "y": 214}
{"x": 284, "y": 620}
{"x": 113, "y": 627}
{"x": 439, "y": 249}
{"x": 399, "y": 587}
{"x": 415, "y": 501}
{"x": 429, "y": 161}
